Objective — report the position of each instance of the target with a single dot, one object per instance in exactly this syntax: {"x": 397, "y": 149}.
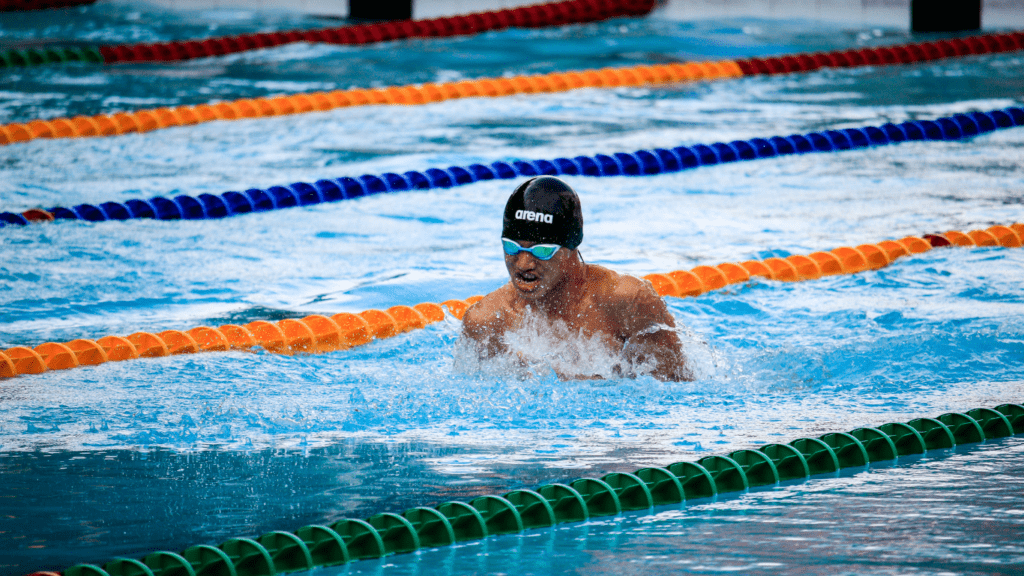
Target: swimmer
{"x": 549, "y": 282}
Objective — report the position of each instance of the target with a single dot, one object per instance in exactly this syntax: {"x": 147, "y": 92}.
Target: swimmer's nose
{"x": 525, "y": 260}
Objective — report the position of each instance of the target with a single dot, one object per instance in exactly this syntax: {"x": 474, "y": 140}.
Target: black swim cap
{"x": 544, "y": 210}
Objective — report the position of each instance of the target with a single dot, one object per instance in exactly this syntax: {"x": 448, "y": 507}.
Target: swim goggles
{"x": 538, "y": 251}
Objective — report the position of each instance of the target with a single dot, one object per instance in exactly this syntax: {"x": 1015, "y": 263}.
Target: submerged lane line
{"x": 639, "y": 163}
{"x": 320, "y": 334}
{"x": 349, "y": 539}
{"x": 153, "y": 119}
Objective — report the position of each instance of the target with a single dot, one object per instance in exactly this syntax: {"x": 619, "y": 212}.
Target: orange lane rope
{"x": 319, "y": 334}
{"x": 155, "y": 119}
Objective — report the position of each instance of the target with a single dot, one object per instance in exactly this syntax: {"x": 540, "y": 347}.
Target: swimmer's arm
{"x": 652, "y": 336}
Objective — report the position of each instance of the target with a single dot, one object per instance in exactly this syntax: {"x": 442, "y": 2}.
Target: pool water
{"x": 956, "y": 512}
{"x": 131, "y": 457}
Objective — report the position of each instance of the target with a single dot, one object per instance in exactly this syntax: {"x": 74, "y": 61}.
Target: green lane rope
{"x": 349, "y": 539}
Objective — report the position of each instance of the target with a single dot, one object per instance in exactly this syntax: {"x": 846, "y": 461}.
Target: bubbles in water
{"x": 702, "y": 358}
{"x": 543, "y": 347}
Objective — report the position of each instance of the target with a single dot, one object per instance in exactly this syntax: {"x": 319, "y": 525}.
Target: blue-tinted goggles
{"x": 538, "y": 251}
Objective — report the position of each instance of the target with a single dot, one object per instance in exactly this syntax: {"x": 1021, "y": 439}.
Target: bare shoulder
{"x": 645, "y": 324}
{"x": 488, "y": 316}
{"x": 621, "y": 290}
{"x": 632, "y": 301}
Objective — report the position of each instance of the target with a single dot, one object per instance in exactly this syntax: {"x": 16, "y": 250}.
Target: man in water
{"x": 552, "y": 288}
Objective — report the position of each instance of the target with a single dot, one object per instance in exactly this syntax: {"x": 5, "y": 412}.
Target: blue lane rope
{"x": 639, "y": 163}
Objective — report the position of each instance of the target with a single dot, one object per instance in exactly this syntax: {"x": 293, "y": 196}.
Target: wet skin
{"x": 623, "y": 312}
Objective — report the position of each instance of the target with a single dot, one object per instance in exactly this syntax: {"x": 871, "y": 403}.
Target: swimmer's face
{"x": 532, "y": 277}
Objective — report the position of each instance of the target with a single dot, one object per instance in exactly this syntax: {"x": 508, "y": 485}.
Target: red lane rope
{"x": 902, "y": 54}
{"x": 535, "y": 16}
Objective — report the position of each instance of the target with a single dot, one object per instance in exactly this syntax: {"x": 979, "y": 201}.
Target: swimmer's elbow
{"x": 671, "y": 364}
{"x": 678, "y": 373}
{"x": 665, "y": 354}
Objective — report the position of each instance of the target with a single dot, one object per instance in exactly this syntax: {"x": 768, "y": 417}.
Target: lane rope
{"x": 639, "y": 163}
{"x": 740, "y": 471}
{"x": 533, "y": 16}
{"x": 158, "y": 118}
{"x": 318, "y": 334}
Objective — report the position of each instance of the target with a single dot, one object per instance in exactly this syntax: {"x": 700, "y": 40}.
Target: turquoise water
{"x": 943, "y": 514}
{"x": 131, "y": 457}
